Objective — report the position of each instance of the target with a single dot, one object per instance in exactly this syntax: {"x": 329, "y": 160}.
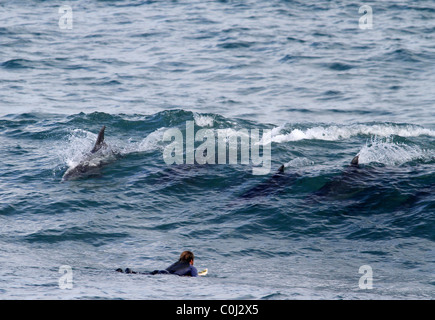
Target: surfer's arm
{"x": 193, "y": 271}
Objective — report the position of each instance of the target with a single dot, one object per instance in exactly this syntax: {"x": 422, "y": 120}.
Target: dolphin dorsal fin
{"x": 281, "y": 169}
{"x": 100, "y": 140}
{"x": 355, "y": 161}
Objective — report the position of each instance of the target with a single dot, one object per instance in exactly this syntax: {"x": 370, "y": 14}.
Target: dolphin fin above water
{"x": 91, "y": 162}
{"x": 279, "y": 180}
{"x": 355, "y": 161}
{"x": 274, "y": 184}
{"x": 100, "y": 141}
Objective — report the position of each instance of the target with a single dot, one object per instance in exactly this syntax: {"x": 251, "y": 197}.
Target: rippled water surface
{"x": 327, "y": 91}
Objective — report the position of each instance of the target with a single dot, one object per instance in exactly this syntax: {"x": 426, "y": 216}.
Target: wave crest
{"x": 336, "y": 132}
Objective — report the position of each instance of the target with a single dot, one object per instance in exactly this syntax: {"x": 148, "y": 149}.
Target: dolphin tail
{"x": 355, "y": 161}
{"x": 100, "y": 140}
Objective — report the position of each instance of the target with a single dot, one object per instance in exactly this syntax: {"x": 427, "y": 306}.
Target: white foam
{"x": 79, "y": 144}
{"x": 387, "y": 152}
{"x": 203, "y": 120}
{"x": 334, "y": 132}
{"x": 275, "y": 131}
{"x": 152, "y": 141}
{"x": 299, "y": 162}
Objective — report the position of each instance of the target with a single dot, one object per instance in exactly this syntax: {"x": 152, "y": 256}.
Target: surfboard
{"x": 203, "y": 272}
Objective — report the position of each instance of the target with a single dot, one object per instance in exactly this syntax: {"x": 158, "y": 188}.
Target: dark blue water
{"x": 326, "y": 89}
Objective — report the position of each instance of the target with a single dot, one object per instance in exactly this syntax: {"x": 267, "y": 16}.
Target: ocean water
{"x": 325, "y": 88}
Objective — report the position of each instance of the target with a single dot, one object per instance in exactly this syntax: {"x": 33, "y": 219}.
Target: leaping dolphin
{"x": 91, "y": 162}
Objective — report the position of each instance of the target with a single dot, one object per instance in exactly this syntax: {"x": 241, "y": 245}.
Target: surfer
{"x": 183, "y": 267}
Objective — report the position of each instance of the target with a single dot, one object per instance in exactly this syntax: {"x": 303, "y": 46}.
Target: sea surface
{"x": 324, "y": 87}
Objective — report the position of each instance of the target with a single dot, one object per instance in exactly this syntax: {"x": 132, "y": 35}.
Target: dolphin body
{"x": 91, "y": 163}
{"x": 344, "y": 185}
{"x": 280, "y": 180}
{"x": 272, "y": 185}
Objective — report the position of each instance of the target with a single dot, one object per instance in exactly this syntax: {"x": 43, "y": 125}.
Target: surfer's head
{"x": 187, "y": 256}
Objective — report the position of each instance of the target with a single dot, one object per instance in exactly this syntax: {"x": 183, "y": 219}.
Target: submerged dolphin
{"x": 279, "y": 181}
{"x": 274, "y": 184}
{"x": 345, "y": 185}
{"x": 91, "y": 162}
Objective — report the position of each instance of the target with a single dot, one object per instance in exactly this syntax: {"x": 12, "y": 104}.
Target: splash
{"x": 152, "y": 142}
{"x": 388, "y": 152}
{"x": 203, "y": 120}
{"x": 80, "y": 142}
{"x": 299, "y": 162}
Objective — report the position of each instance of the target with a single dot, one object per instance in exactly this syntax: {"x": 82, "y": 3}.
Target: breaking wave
{"x": 336, "y": 132}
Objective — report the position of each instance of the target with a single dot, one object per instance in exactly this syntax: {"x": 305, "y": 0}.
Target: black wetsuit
{"x": 180, "y": 268}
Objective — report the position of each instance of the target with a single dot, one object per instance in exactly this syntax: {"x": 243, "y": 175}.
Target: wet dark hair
{"x": 186, "y": 256}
